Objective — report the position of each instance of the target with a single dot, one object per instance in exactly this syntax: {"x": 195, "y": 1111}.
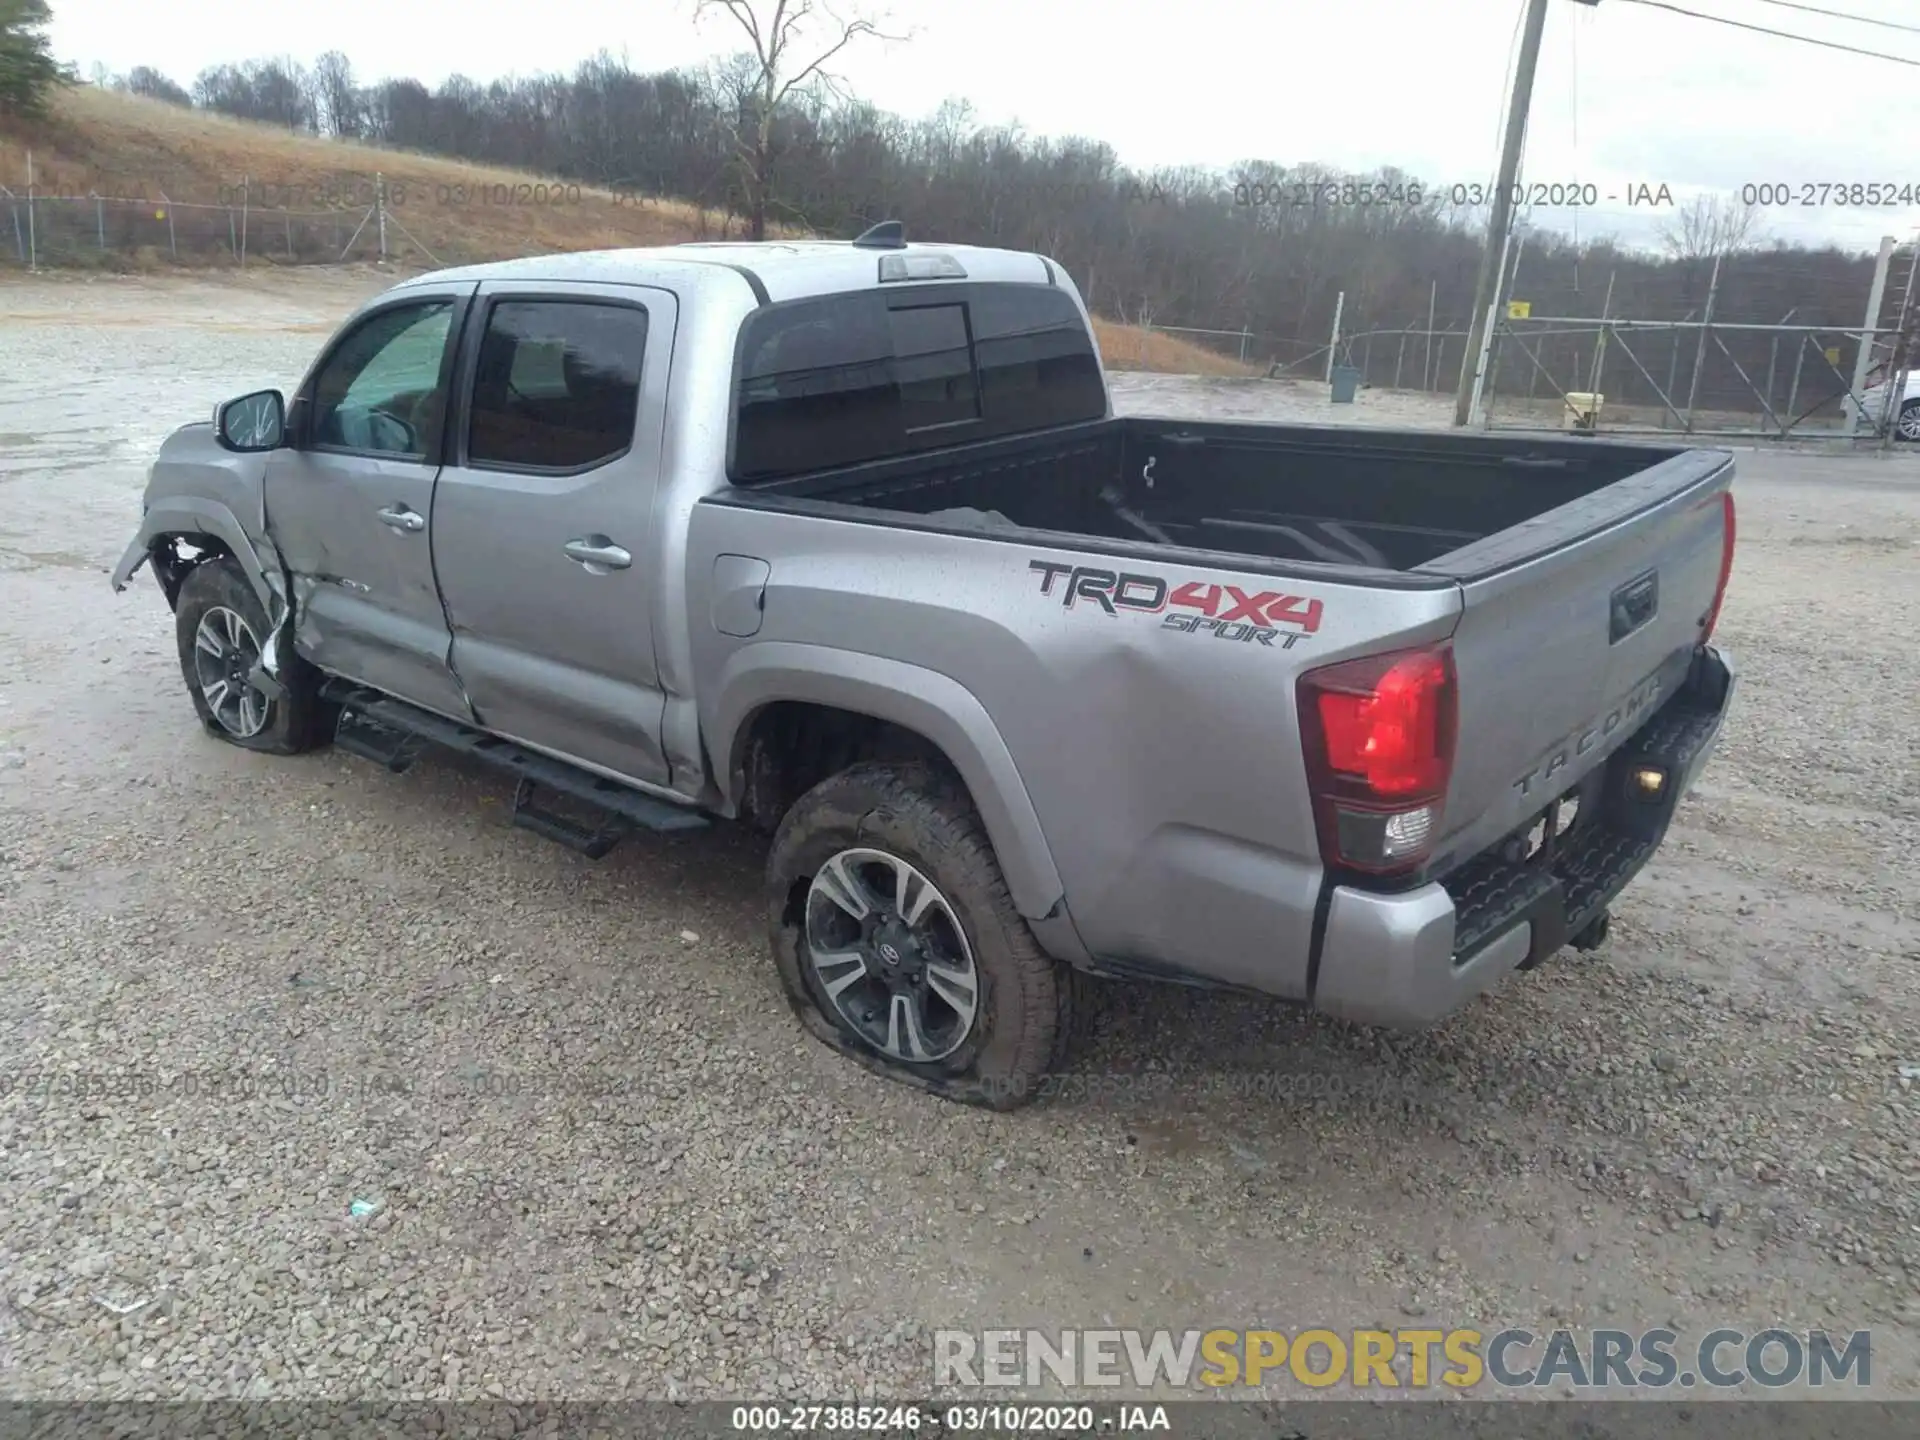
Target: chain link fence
{"x": 107, "y": 230}
{"x": 1758, "y": 344}
{"x": 1660, "y": 376}
{"x": 1412, "y": 357}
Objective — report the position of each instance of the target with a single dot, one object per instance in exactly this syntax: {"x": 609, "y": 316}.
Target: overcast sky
{"x": 1626, "y": 95}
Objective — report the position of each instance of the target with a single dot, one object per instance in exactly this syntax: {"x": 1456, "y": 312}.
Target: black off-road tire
{"x": 1025, "y": 1017}
{"x": 299, "y": 722}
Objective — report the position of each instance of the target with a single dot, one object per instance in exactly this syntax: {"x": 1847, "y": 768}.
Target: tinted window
{"x": 817, "y": 387}
{"x": 933, "y": 365}
{"x": 557, "y": 385}
{"x": 379, "y": 392}
{"x": 1037, "y": 365}
{"x": 852, "y": 378}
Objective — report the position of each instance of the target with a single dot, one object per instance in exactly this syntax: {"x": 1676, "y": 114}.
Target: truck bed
{"x": 1573, "y": 578}
{"x": 1309, "y": 495}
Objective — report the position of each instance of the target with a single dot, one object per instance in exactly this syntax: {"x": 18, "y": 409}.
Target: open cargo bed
{"x": 1312, "y": 495}
{"x": 1585, "y": 572}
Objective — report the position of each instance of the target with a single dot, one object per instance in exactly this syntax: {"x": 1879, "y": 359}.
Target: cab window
{"x": 379, "y": 392}
{"x": 556, "y": 385}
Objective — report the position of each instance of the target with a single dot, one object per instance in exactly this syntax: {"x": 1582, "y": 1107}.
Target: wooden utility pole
{"x": 1493, "y": 257}
{"x": 1863, "y": 356}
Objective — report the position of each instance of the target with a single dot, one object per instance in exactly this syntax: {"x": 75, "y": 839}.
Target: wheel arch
{"x": 913, "y": 702}
{"x": 212, "y": 530}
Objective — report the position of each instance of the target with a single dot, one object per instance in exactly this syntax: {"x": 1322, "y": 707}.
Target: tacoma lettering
{"x": 1638, "y": 702}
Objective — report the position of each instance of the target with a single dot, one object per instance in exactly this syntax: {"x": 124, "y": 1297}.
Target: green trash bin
{"x": 1346, "y": 384}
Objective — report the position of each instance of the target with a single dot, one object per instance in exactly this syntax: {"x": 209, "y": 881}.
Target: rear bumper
{"x": 1407, "y": 960}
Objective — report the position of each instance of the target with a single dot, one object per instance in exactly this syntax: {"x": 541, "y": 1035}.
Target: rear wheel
{"x": 897, "y": 941}
{"x": 219, "y": 627}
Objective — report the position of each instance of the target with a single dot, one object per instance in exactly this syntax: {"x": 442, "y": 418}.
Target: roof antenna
{"x": 887, "y": 235}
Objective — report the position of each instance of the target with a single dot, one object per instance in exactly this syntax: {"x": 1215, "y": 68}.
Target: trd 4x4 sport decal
{"x": 1226, "y": 612}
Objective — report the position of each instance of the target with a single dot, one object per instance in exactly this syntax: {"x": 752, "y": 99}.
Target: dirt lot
{"x": 606, "y": 1162}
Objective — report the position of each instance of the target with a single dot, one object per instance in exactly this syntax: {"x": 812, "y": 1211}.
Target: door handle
{"x": 598, "y": 554}
{"x": 401, "y": 518}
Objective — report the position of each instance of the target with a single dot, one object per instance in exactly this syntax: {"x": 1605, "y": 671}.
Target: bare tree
{"x": 340, "y": 106}
{"x": 147, "y": 81}
{"x": 273, "y": 91}
{"x": 782, "y": 34}
{"x": 1710, "y": 225}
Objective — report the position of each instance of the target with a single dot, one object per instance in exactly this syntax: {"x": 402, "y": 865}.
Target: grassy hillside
{"x": 188, "y": 171}
{"x": 123, "y": 146}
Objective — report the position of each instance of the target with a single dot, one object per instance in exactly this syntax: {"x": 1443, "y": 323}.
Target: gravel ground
{"x": 604, "y": 1161}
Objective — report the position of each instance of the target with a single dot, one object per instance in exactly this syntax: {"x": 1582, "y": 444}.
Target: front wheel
{"x": 1907, "y": 427}
{"x": 897, "y": 941}
{"x": 219, "y": 627}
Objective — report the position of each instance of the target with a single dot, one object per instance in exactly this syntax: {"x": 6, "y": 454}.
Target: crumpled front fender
{"x": 137, "y": 554}
{"x": 188, "y": 517}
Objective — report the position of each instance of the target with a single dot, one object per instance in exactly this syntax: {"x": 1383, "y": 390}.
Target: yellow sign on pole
{"x": 1519, "y": 309}
{"x": 1833, "y": 354}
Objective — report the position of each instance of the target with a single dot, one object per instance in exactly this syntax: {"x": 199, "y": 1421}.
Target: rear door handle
{"x": 598, "y": 554}
{"x": 401, "y": 518}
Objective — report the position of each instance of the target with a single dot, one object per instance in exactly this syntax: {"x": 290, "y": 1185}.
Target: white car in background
{"x": 1872, "y": 407}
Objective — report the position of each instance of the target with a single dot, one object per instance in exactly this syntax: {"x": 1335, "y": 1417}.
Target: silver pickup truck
{"x": 844, "y": 539}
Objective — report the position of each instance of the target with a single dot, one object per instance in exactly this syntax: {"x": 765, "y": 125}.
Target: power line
{"x": 1777, "y": 34}
{"x": 1842, "y": 15}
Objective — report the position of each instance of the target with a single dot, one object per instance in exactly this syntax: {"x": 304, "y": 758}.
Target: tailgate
{"x": 1575, "y": 626}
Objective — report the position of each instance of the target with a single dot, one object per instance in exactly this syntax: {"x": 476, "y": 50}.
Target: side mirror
{"x": 252, "y": 422}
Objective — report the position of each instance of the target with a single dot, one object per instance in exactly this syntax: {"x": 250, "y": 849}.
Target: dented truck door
{"x": 349, "y": 502}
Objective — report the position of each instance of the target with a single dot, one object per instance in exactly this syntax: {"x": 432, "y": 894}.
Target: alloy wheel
{"x": 888, "y": 952}
{"x": 225, "y": 650}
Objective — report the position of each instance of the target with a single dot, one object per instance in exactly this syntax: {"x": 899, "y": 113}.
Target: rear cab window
{"x": 867, "y": 375}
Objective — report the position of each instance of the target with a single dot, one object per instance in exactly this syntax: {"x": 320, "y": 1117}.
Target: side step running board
{"x": 370, "y": 740}
{"x": 392, "y": 733}
{"x": 592, "y": 841}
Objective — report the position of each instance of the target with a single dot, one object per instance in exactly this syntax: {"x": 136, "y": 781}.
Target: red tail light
{"x": 1378, "y": 733}
{"x": 1726, "y": 566}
